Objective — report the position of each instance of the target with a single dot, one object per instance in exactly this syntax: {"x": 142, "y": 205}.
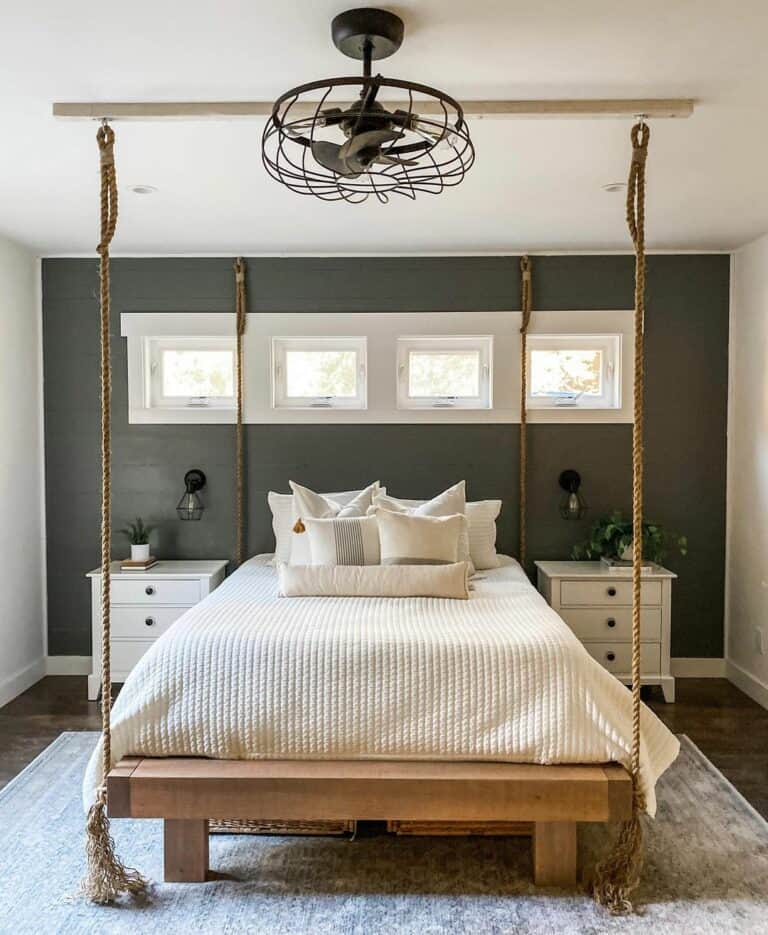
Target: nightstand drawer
{"x": 155, "y": 591}
{"x": 617, "y": 657}
{"x": 607, "y": 592}
{"x": 613, "y": 623}
{"x": 143, "y": 623}
{"x": 126, "y": 653}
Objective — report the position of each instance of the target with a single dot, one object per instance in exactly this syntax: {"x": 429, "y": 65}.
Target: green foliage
{"x": 137, "y": 532}
{"x": 611, "y": 535}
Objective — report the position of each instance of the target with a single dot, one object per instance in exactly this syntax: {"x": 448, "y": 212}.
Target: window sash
{"x": 609, "y": 346}
{"x": 154, "y": 348}
{"x": 480, "y": 345}
{"x": 283, "y": 346}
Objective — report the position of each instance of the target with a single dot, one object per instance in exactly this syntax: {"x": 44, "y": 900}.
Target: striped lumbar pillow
{"x": 419, "y": 540}
{"x": 343, "y": 541}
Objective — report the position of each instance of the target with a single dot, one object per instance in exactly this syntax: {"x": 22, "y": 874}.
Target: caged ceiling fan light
{"x": 316, "y": 145}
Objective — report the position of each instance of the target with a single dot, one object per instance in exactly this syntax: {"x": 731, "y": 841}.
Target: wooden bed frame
{"x": 186, "y": 792}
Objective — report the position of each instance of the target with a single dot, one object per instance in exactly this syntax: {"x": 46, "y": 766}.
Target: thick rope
{"x": 526, "y": 302}
{"x": 241, "y": 309}
{"x": 107, "y": 877}
{"x": 618, "y": 876}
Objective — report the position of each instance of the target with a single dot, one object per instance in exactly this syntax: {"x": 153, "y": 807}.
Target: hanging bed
{"x": 256, "y": 706}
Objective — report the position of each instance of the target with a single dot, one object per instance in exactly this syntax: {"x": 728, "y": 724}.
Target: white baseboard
{"x": 68, "y": 665}
{"x": 18, "y": 682}
{"x": 701, "y": 668}
{"x": 748, "y": 683}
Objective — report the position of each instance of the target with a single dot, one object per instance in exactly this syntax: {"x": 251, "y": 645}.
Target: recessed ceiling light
{"x": 614, "y": 187}
{"x": 143, "y": 189}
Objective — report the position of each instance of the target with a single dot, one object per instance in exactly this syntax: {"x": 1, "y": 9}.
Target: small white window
{"x": 186, "y": 372}
{"x": 574, "y": 371}
{"x": 319, "y": 373}
{"x": 444, "y": 372}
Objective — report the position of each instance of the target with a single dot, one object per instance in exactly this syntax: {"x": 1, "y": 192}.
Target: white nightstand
{"x": 596, "y": 603}
{"x": 144, "y": 605}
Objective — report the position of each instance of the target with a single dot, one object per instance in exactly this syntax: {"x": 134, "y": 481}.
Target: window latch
{"x": 325, "y": 402}
{"x": 198, "y": 402}
{"x": 446, "y": 402}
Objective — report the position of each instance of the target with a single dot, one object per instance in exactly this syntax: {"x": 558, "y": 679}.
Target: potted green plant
{"x": 611, "y": 538}
{"x": 138, "y": 536}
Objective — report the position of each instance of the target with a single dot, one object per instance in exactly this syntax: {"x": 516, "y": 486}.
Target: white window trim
{"x": 382, "y": 331}
{"x": 483, "y": 344}
{"x": 282, "y": 344}
{"x": 611, "y": 347}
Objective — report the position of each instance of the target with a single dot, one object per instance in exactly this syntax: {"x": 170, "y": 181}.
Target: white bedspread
{"x": 249, "y": 675}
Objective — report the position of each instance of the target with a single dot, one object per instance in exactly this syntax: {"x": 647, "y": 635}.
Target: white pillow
{"x": 308, "y": 504}
{"x": 419, "y": 540}
{"x": 447, "y": 503}
{"x": 283, "y": 517}
{"x": 446, "y": 581}
{"x": 481, "y": 520}
{"x": 342, "y": 541}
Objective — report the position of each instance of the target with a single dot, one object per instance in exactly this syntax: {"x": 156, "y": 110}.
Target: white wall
{"x": 747, "y": 538}
{"x": 22, "y": 640}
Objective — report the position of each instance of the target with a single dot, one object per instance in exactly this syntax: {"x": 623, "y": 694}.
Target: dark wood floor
{"x": 730, "y": 728}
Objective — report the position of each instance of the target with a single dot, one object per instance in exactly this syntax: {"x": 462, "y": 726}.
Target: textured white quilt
{"x": 249, "y": 675}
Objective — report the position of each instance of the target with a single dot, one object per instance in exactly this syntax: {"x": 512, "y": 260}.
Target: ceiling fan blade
{"x": 372, "y": 139}
{"x": 328, "y": 155}
{"x": 394, "y": 161}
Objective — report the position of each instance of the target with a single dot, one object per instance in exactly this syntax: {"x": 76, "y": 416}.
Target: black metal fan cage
{"x": 437, "y": 147}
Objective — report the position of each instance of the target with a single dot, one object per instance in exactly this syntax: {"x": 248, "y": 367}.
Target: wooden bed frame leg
{"x": 554, "y": 853}
{"x": 186, "y": 850}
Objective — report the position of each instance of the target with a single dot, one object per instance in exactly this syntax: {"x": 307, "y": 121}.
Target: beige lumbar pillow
{"x": 343, "y": 541}
{"x": 419, "y": 540}
{"x": 446, "y": 581}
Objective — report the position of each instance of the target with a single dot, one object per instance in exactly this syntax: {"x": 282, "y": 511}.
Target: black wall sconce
{"x": 191, "y": 506}
{"x": 572, "y": 506}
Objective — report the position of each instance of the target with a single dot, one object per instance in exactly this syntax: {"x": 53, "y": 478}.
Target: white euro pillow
{"x": 283, "y": 517}
{"x": 310, "y": 505}
{"x": 481, "y": 523}
{"x": 444, "y": 581}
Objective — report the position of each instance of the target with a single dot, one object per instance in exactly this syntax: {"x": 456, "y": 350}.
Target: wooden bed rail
{"x": 187, "y": 791}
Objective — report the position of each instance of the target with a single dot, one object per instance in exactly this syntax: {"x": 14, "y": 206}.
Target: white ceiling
{"x": 535, "y": 185}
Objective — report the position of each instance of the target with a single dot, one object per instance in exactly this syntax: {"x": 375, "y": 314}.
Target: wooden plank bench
{"x": 187, "y": 791}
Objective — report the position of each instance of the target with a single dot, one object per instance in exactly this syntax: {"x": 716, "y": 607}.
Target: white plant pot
{"x": 139, "y": 553}
{"x": 626, "y": 555}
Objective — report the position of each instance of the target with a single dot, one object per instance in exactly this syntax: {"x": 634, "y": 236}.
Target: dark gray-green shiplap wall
{"x": 686, "y": 398}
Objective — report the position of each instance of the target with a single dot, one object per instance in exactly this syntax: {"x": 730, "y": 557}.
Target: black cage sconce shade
{"x": 572, "y": 505}
{"x": 191, "y": 506}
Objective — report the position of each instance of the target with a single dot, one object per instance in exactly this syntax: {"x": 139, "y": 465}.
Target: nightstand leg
{"x": 94, "y": 687}
{"x": 668, "y": 689}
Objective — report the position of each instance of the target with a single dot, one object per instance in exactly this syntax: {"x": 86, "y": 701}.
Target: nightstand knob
{"x": 149, "y": 589}
{"x": 611, "y": 622}
{"x": 150, "y": 621}
{"x": 611, "y": 592}
{"x": 610, "y": 656}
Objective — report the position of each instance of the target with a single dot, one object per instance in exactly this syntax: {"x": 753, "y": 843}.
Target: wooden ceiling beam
{"x": 654, "y": 108}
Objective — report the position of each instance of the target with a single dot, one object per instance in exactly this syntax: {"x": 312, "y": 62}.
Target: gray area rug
{"x": 706, "y": 871}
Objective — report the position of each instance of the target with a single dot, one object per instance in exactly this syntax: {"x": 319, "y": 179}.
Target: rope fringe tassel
{"x": 618, "y": 876}
{"x": 107, "y": 877}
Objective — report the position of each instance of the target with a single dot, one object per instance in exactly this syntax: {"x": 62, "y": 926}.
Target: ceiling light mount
{"x": 337, "y": 151}
{"x": 367, "y": 33}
